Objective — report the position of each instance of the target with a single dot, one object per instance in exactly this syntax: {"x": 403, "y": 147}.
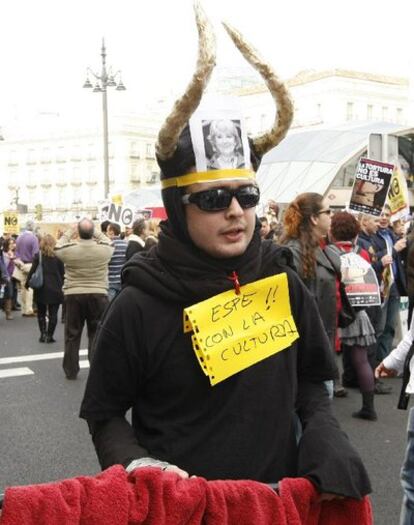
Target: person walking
{"x": 394, "y": 282}
{"x": 136, "y": 240}
{"x": 85, "y": 288}
{"x": 50, "y": 295}
{"x": 118, "y": 259}
{"x": 306, "y": 225}
{"x": 360, "y": 334}
{"x": 400, "y": 361}
{"x": 27, "y": 246}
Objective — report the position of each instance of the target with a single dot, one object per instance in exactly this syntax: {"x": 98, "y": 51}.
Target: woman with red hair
{"x": 306, "y": 225}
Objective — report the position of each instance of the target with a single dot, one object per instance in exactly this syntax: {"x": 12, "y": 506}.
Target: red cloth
{"x": 151, "y": 497}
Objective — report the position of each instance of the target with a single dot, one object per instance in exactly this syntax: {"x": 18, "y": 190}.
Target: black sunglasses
{"x": 218, "y": 199}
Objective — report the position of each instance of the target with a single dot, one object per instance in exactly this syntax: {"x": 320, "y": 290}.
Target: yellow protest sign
{"x": 233, "y": 332}
{"x": 11, "y": 222}
{"x": 397, "y": 198}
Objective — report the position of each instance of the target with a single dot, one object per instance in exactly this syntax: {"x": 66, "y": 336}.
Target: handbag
{"x": 346, "y": 315}
{"x": 36, "y": 279}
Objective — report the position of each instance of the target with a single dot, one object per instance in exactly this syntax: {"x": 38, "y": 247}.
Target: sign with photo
{"x": 371, "y": 185}
{"x": 219, "y": 136}
{"x": 360, "y": 280}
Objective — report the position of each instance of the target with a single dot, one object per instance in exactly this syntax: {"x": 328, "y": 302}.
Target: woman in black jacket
{"x": 50, "y": 295}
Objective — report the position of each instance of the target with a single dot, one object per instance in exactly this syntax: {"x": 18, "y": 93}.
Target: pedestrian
{"x": 118, "y": 259}
{"x": 306, "y": 225}
{"x": 27, "y": 246}
{"x": 400, "y": 361}
{"x": 394, "y": 284}
{"x": 360, "y": 334}
{"x": 266, "y": 231}
{"x": 6, "y": 287}
{"x": 85, "y": 288}
{"x": 49, "y": 296}
{"x": 136, "y": 240}
{"x": 9, "y": 252}
{"x": 368, "y": 241}
{"x": 243, "y": 427}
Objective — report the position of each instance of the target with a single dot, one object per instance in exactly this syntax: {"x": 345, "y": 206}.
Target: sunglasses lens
{"x": 248, "y": 196}
{"x": 214, "y": 200}
{"x": 220, "y": 198}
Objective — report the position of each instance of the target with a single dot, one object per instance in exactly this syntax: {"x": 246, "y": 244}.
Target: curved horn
{"x": 278, "y": 90}
{"x": 185, "y": 106}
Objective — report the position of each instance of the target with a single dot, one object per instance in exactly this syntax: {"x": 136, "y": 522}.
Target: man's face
{"x": 265, "y": 229}
{"x": 370, "y": 225}
{"x": 221, "y": 234}
{"x": 385, "y": 217}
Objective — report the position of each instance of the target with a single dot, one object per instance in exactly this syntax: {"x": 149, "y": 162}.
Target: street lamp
{"x": 106, "y": 79}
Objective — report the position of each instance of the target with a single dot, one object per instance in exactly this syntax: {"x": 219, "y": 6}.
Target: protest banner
{"x": 11, "y": 222}
{"x": 122, "y": 215}
{"x": 360, "y": 280}
{"x": 398, "y": 196}
{"x": 371, "y": 185}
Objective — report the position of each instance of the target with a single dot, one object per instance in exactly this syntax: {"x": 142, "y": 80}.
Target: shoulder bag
{"x": 36, "y": 280}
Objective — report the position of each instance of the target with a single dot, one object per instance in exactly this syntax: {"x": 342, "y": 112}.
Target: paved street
{"x": 42, "y": 439}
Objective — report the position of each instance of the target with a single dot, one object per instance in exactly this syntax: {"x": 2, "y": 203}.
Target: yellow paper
{"x": 233, "y": 332}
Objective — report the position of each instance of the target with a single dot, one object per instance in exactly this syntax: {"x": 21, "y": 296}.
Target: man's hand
{"x": 173, "y": 468}
{"x": 386, "y": 260}
{"x": 400, "y": 244}
{"x": 382, "y": 371}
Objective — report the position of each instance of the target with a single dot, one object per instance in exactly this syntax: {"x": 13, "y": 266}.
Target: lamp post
{"x": 104, "y": 80}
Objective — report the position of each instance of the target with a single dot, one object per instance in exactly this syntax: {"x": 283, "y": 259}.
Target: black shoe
{"x": 365, "y": 413}
{"x": 42, "y": 338}
{"x": 340, "y": 391}
{"x": 381, "y": 389}
{"x": 71, "y": 377}
{"x": 50, "y": 339}
{"x": 16, "y": 308}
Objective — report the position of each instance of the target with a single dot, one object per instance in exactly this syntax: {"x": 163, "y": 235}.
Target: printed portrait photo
{"x": 223, "y": 144}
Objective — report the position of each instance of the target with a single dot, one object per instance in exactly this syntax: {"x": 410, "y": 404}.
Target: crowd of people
{"x": 218, "y": 329}
{"x": 81, "y": 272}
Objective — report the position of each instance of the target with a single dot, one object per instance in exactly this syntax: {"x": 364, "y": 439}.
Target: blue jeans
{"x": 390, "y": 312}
{"x": 407, "y": 476}
{"x": 113, "y": 291}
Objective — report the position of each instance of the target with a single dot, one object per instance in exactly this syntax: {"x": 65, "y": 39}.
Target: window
{"x": 31, "y": 156}
{"x": 370, "y": 109}
{"x": 349, "y": 110}
{"x": 91, "y": 151}
{"x": 61, "y": 154}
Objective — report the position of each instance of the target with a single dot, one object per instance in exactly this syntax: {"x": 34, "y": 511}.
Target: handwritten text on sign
{"x": 233, "y": 332}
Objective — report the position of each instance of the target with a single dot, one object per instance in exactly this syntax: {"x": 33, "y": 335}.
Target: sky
{"x": 46, "y": 46}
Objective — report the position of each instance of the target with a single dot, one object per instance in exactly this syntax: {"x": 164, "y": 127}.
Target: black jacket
{"x": 53, "y": 276}
{"x": 376, "y": 246}
{"x": 244, "y": 427}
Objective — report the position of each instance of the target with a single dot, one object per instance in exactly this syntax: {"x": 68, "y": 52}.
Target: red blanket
{"x": 151, "y": 497}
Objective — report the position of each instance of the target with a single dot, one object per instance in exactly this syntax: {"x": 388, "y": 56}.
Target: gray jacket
{"x": 323, "y": 285}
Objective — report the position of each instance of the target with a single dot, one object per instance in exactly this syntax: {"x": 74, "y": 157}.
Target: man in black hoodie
{"x": 147, "y": 360}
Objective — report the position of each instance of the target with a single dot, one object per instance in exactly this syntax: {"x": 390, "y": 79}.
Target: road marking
{"x": 14, "y": 372}
{"x": 36, "y": 357}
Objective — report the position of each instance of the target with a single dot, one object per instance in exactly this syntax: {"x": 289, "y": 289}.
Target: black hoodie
{"x": 243, "y": 428}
